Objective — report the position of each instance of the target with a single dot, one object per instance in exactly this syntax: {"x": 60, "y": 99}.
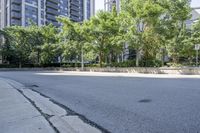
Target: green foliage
{"x": 24, "y": 44}
{"x": 152, "y": 28}
{"x": 74, "y": 38}
{"x": 196, "y": 33}
{"x": 19, "y": 43}
{"x": 144, "y": 19}
{"x": 129, "y": 63}
{"x": 107, "y": 36}
{"x": 151, "y": 63}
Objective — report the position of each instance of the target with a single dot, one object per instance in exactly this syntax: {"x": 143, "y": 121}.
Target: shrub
{"x": 150, "y": 63}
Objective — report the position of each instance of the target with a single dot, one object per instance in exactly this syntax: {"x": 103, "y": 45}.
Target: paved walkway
{"x": 110, "y": 74}
{"x": 18, "y": 115}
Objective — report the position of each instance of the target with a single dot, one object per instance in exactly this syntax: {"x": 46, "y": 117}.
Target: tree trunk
{"x": 101, "y": 59}
{"x": 38, "y": 57}
{"x": 20, "y": 64}
{"x": 137, "y": 58}
{"x": 163, "y": 57}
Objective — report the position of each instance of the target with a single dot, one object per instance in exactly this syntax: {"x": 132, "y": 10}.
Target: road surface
{"x": 123, "y": 104}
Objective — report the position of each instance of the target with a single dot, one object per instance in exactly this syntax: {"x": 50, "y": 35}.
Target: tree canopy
{"x": 149, "y": 29}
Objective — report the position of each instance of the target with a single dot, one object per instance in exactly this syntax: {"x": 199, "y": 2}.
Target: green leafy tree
{"x": 49, "y": 50}
{"x": 36, "y": 41}
{"x": 104, "y": 30}
{"x": 68, "y": 38}
{"x": 144, "y": 17}
{"x": 191, "y": 39}
{"x": 177, "y": 13}
{"x": 19, "y": 43}
{"x": 75, "y": 39}
{"x": 196, "y": 33}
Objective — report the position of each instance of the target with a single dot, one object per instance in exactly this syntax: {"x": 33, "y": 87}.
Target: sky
{"x": 195, "y": 3}
{"x": 100, "y": 4}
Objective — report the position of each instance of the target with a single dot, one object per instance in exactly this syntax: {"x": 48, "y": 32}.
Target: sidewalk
{"x": 39, "y": 115}
{"x": 110, "y": 74}
{"x": 18, "y": 115}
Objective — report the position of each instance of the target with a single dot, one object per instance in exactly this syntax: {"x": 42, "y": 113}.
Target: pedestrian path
{"x": 18, "y": 115}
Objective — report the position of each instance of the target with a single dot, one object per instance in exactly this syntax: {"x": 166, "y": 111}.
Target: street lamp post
{"x": 82, "y": 59}
{"x": 197, "y": 56}
{"x": 197, "y": 47}
{"x": 162, "y": 50}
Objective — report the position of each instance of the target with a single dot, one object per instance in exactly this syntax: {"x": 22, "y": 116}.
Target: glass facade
{"x": 42, "y": 4}
{"x": 88, "y": 9}
{"x": 32, "y": 12}
{"x": 63, "y": 7}
{"x": 13, "y": 13}
{"x": 31, "y": 15}
{"x": 41, "y": 12}
{"x": 32, "y": 2}
{"x": 77, "y": 11}
{"x": 81, "y": 11}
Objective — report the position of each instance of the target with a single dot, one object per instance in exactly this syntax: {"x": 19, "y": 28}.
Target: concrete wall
{"x": 187, "y": 71}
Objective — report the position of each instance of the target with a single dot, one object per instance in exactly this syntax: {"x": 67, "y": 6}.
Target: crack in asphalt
{"x": 46, "y": 116}
{"x": 70, "y": 112}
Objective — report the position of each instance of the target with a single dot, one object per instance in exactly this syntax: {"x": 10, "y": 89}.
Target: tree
{"x": 196, "y": 33}
{"x": 24, "y": 44}
{"x": 19, "y": 43}
{"x": 69, "y": 38}
{"x": 50, "y": 50}
{"x": 36, "y": 41}
{"x": 75, "y": 39}
{"x": 104, "y": 29}
{"x": 191, "y": 39}
{"x": 144, "y": 17}
{"x": 177, "y": 13}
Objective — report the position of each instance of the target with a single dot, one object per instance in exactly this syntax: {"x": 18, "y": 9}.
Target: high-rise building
{"x": 195, "y": 16}
{"x": 41, "y": 12}
{"x": 80, "y": 10}
{"x": 89, "y": 8}
{"x": 2, "y": 14}
{"x": 22, "y": 12}
{"x": 108, "y": 4}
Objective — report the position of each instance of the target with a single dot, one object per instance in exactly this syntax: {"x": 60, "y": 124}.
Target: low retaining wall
{"x": 162, "y": 70}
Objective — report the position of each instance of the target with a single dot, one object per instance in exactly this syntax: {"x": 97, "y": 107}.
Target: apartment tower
{"x": 41, "y": 12}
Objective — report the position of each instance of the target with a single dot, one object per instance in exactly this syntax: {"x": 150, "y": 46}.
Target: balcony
{"x": 51, "y": 11}
{"x": 16, "y": 1}
{"x": 16, "y": 15}
{"x": 74, "y": 8}
{"x": 53, "y": 1}
{"x": 15, "y": 7}
{"x": 75, "y": 13}
{"x": 52, "y": 5}
{"x": 15, "y": 22}
{"x": 51, "y": 17}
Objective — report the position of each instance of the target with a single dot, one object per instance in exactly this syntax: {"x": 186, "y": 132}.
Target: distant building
{"x": 89, "y": 8}
{"x": 108, "y": 4}
{"x": 41, "y": 12}
{"x": 195, "y": 17}
{"x": 80, "y": 10}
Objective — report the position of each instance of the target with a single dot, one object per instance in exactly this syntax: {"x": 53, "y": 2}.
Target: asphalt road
{"x": 124, "y": 104}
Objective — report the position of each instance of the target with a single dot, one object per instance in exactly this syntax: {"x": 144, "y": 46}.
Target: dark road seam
{"x": 70, "y": 111}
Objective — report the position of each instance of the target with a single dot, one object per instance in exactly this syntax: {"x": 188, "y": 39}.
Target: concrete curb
{"x": 148, "y": 70}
